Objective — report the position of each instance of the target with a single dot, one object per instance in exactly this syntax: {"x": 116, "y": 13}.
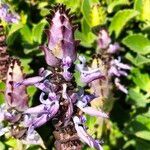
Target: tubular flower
{"x": 7, "y": 16}
{"x": 61, "y": 100}
{"x": 84, "y": 136}
{"x": 15, "y": 106}
{"x": 109, "y": 66}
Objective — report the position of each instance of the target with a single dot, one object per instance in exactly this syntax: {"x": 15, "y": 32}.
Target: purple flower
{"x": 39, "y": 115}
{"x": 113, "y": 48}
{"x": 8, "y": 16}
{"x": 88, "y": 74}
{"x": 15, "y": 97}
{"x": 103, "y": 39}
{"x": 120, "y": 87}
{"x": 83, "y": 105}
{"x": 67, "y": 62}
{"x": 61, "y": 42}
{"x": 84, "y": 136}
{"x": 117, "y": 68}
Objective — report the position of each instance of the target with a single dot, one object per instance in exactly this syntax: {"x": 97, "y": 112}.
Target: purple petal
{"x": 39, "y": 115}
{"x": 113, "y": 71}
{"x": 120, "y": 87}
{"x": 93, "y": 112}
{"x": 51, "y": 60}
{"x": 3, "y": 129}
{"x": 113, "y": 48}
{"x": 91, "y": 76}
{"x": 84, "y": 136}
{"x": 33, "y": 137}
{"x": 121, "y": 65}
{"x": 15, "y": 96}
{"x": 61, "y": 35}
{"x": 103, "y": 39}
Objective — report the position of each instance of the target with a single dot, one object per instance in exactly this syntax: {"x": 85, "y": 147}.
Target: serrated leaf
{"x": 137, "y": 43}
{"x": 139, "y": 123}
{"x": 115, "y": 3}
{"x": 137, "y": 98}
{"x": 139, "y": 60}
{"x": 120, "y": 20}
{"x": 141, "y": 80}
{"x": 85, "y": 39}
{"x": 38, "y": 31}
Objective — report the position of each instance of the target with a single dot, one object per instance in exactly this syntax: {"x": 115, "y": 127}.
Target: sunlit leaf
{"x": 116, "y": 3}
{"x": 137, "y": 43}
{"x": 120, "y": 20}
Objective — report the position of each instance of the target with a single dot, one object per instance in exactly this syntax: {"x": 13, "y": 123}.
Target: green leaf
{"x": 86, "y": 10}
{"x": 115, "y": 3}
{"x": 142, "y": 144}
{"x": 139, "y": 60}
{"x": 38, "y": 31}
{"x": 2, "y": 146}
{"x": 141, "y": 79}
{"x": 120, "y": 20}
{"x": 12, "y": 142}
{"x": 137, "y": 43}
{"x": 14, "y": 28}
{"x": 25, "y": 63}
{"x": 137, "y": 98}
{"x": 143, "y": 7}
{"x": 143, "y": 134}
{"x": 26, "y": 34}
{"x": 138, "y": 124}
{"x": 86, "y": 39}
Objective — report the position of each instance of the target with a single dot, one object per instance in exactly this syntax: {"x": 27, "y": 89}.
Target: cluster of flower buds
{"x": 4, "y": 57}
{"x": 6, "y": 15}
{"x": 108, "y": 64}
{"x": 12, "y": 112}
{"x": 61, "y": 101}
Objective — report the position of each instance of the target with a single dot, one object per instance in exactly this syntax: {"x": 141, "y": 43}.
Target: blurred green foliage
{"x": 128, "y": 23}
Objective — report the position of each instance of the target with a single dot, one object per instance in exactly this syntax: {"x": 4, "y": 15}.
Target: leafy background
{"x": 128, "y": 22}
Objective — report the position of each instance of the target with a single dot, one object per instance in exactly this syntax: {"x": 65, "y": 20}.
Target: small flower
{"x": 117, "y": 68}
{"x": 83, "y": 105}
{"x": 84, "y": 136}
{"x": 39, "y": 115}
{"x": 3, "y": 129}
{"x": 120, "y": 87}
{"x": 103, "y": 39}
{"x": 8, "y": 16}
{"x": 113, "y": 48}
{"x": 67, "y": 62}
{"x": 88, "y": 74}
